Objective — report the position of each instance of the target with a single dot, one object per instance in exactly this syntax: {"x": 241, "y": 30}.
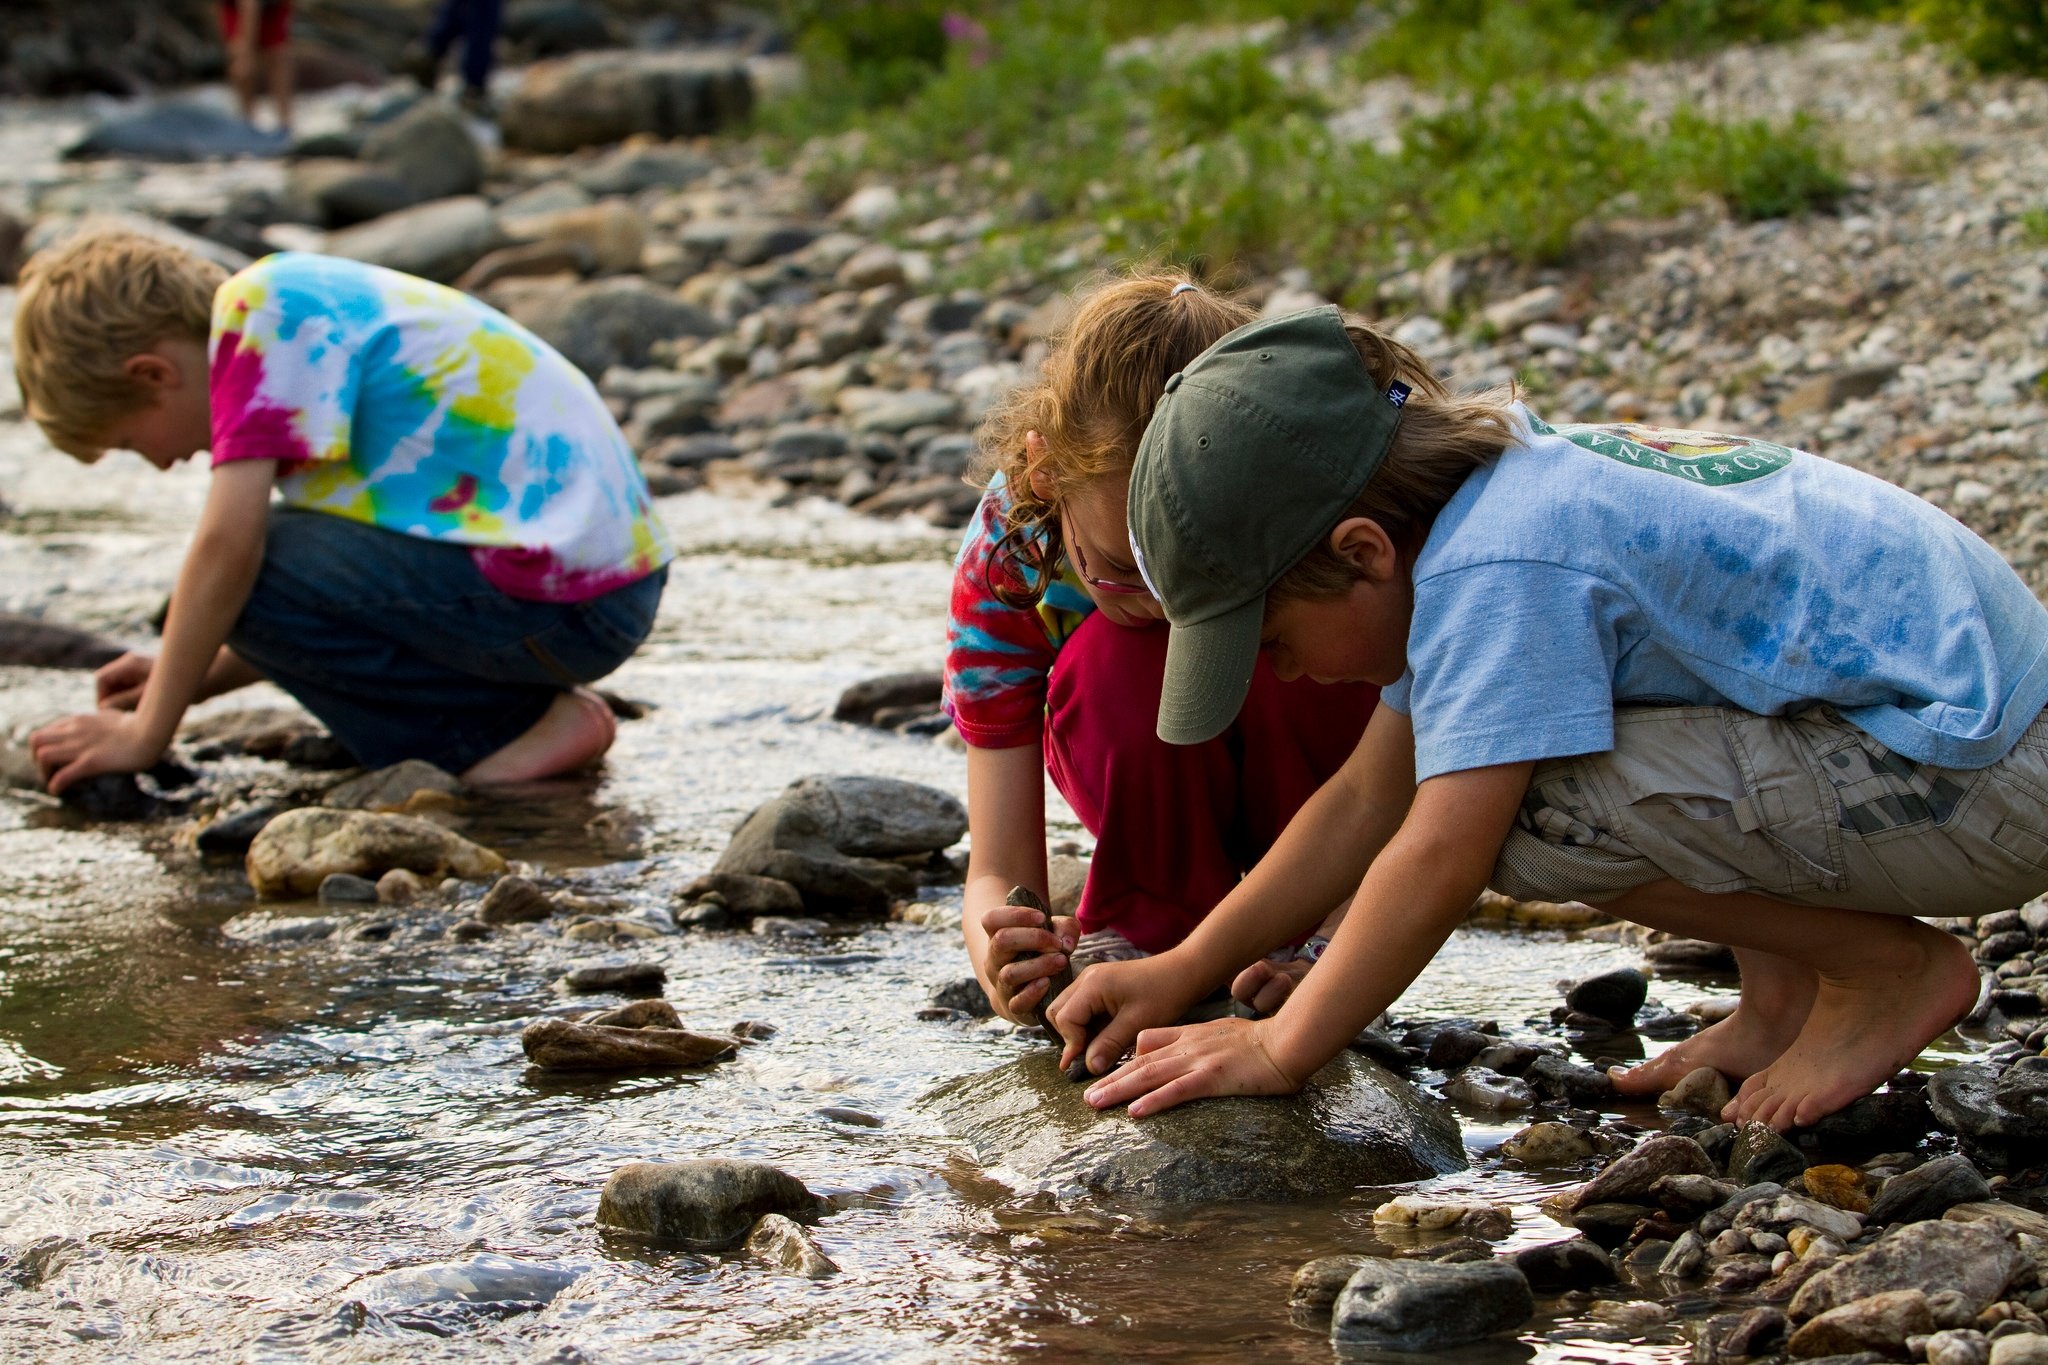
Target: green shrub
{"x": 1993, "y": 35}
{"x": 1219, "y": 90}
{"x": 1760, "y": 171}
{"x": 2034, "y": 222}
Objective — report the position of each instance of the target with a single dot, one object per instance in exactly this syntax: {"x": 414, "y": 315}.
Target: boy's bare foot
{"x": 1777, "y": 994}
{"x": 1909, "y": 986}
{"x": 574, "y": 732}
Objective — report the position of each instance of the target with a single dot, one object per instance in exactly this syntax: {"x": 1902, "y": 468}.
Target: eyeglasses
{"x": 1108, "y": 585}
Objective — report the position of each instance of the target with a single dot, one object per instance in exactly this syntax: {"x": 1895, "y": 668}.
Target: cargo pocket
{"x": 1725, "y": 801}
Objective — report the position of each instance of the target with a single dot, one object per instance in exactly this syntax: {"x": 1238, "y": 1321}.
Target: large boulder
{"x": 611, "y": 322}
{"x": 830, "y": 838}
{"x": 429, "y": 150}
{"x": 703, "y": 1205}
{"x": 436, "y": 241}
{"x": 605, "y": 97}
{"x": 1974, "y": 1259}
{"x": 302, "y": 848}
{"x": 1355, "y": 1124}
{"x": 2002, "y": 1118}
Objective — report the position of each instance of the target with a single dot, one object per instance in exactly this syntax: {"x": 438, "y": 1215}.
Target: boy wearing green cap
{"x": 1710, "y": 684}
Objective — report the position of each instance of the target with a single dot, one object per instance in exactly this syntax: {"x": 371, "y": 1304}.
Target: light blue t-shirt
{"x": 1590, "y": 567}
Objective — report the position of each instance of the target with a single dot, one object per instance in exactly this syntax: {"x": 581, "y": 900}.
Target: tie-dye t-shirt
{"x": 390, "y": 400}
{"x": 998, "y": 656}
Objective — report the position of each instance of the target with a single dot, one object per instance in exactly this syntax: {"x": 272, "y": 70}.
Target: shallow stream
{"x": 214, "y": 1148}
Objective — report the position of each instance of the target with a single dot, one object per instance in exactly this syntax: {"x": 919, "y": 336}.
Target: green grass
{"x": 1214, "y": 155}
{"x": 2034, "y": 222}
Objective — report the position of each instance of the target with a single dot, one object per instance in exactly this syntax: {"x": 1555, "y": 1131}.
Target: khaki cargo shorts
{"x": 1805, "y": 808}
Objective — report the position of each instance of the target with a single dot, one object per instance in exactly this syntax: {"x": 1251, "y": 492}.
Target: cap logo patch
{"x": 1397, "y": 393}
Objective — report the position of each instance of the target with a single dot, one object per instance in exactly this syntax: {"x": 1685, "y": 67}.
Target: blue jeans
{"x": 405, "y": 650}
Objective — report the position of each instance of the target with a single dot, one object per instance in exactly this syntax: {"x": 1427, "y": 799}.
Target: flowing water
{"x": 212, "y": 1147}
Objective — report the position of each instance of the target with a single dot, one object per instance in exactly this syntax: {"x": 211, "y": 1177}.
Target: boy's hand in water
{"x": 78, "y": 747}
{"x": 1131, "y": 996}
{"x": 1017, "y": 986}
{"x": 117, "y": 685}
{"x": 1265, "y": 985}
{"x": 1175, "y": 1065}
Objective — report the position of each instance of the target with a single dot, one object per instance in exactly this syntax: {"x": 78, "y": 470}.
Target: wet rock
{"x": 31, "y": 643}
{"x": 1720, "y": 1219}
{"x": 436, "y": 241}
{"x": 2003, "y": 1118}
{"x": 1469, "y": 1217}
{"x": 565, "y": 1045}
{"x": 1428, "y": 1305}
{"x": 391, "y": 788}
{"x": 1631, "y": 1178}
{"x": 176, "y": 132}
{"x": 1891, "y": 1120}
{"x": 1609, "y": 1223}
{"x": 650, "y": 1013}
{"x": 1354, "y": 1125}
{"x": 1478, "y": 1088}
{"x": 111, "y": 796}
{"x": 779, "y": 926}
{"x": 261, "y": 926}
{"x": 301, "y": 848}
{"x": 784, "y": 1244}
{"x": 469, "y": 930}
{"x": 1690, "y": 957}
{"x": 1839, "y": 1186}
{"x": 629, "y": 978}
{"x": 1317, "y": 1284}
{"x": 1928, "y": 1191}
{"x": 1761, "y": 1155}
{"x": 344, "y": 888}
{"x": 234, "y": 833}
{"x": 1548, "y": 1144}
{"x": 1738, "y": 1336}
{"x": 828, "y": 837}
{"x": 1786, "y": 1211}
{"x": 400, "y": 887}
{"x": 429, "y": 150}
{"x": 1613, "y": 996}
{"x": 1574, "y": 1263}
{"x": 1687, "y": 1256}
{"x": 702, "y": 1205}
{"x": 1700, "y": 1091}
{"x": 480, "y": 1279}
{"x": 746, "y": 895}
{"x": 1973, "y": 1260}
{"x": 611, "y": 322}
{"x": 1581, "y": 1086}
{"x": 1879, "y": 1323}
{"x": 514, "y": 900}
{"x": 603, "y": 97}
{"x": 1453, "y": 1048}
{"x": 1690, "y": 1195}
{"x": 964, "y": 995}
{"x": 858, "y": 704}
{"x": 852, "y": 1118}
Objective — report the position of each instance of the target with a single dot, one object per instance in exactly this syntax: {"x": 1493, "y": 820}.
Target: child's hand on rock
{"x": 78, "y": 747}
{"x": 1175, "y": 1065}
{"x": 1016, "y": 986}
{"x": 1132, "y": 996}
{"x": 117, "y": 685}
{"x": 1265, "y": 985}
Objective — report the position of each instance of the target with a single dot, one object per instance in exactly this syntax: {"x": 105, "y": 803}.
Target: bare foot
{"x": 574, "y": 732}
{"x": 1777, "y": 993}
{"x": 1908, "y": 987}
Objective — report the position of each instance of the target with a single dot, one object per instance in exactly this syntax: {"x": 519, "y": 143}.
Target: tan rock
{"x": 1880, "y": 1322}
{"x": 390, "y": 788}
{"x": 782, "y": 1242}
{"x": 301, "y": 848}
{"x": 564, "y": 1045}
{"x": 514, "y": 900}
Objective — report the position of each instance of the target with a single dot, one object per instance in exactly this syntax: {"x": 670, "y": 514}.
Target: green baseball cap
{"x": 1251, "y": 458}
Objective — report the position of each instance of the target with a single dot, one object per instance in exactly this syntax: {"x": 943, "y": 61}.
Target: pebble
{"x": 514, "y": 900}
{"x": 1958, "y": 1347}
{"x": 1472, "y": 1218}
{"x": 1700, "y": 1091}
{"x": 341, "y": 888}
{"x": 1548, "y": 1144}
{"x": 1612, "y": 996}
{"x": 630, "y": 978}
{"x": 1479, "y": 1088}
{"x": 784, "y": 1244}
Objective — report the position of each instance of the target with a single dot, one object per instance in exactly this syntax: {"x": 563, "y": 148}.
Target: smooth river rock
{"x": 830, "y": 836}
{"x": 1972, "y": 1259}
{"x": 302, "y": 848}
{"x": 703, "y": 1205}
{"x": 1356, "y": 1124}
{"x": 564, "y": 1045}
{"x": 1428, "y": 1305}
{"x": 602, "y": 97}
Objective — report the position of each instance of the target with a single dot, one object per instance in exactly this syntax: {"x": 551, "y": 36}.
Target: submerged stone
{"x": 301, "y": 848}
{"x": 564, "y": 1045}
{"x": 703, "y": 1205}
{"x": 1428, "y": 1305}
{"x": 831, "y": 838}
{"x": 1355, "y": 1124}
{"x": 481, "y": 1279}
{"x": 626, "y": 978}
{"x": 785, "y": 1245}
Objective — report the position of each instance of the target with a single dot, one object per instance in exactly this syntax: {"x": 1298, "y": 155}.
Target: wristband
{"x": 1312, "y": 951}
